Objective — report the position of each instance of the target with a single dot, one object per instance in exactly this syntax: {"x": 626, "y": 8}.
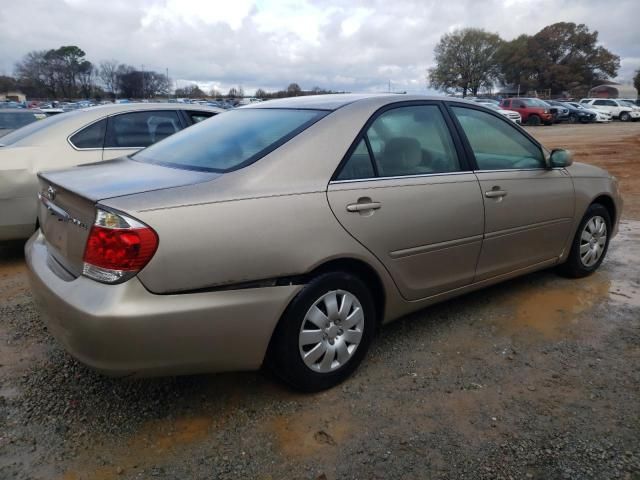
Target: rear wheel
{"x": 325, "y": 332}
{"x": 625, "y": 117}
{"x": 534, "y": 120}
{"x": 590, "y": 244}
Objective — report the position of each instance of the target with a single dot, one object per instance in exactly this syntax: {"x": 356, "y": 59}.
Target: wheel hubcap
{"x": 331, "y": 331}
{"x": 592, "y": 241}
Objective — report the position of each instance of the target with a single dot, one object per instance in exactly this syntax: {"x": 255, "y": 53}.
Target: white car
{"x": 510, "y": 114}
{"x": 617, "y": 108}
{"x": 82, "y": 136}
{"x": 601, "y": 115}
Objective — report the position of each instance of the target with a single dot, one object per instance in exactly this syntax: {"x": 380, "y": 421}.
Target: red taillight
{"x": 117, "y": 247}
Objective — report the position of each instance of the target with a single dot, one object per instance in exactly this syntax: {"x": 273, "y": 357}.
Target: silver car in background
{"x": 82, "y": 136}
{"x": 285, "y": 232}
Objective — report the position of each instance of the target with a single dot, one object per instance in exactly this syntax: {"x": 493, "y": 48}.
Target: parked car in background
{"x": 510, "y": 114}
{"x": 600, "y": 115}
{"x": 13, "y": 118}
{"x": 285, "y": 232}
{"x": 82, "y": 136}
{"x": 573, "y": 115}
{"x": 532, "y": 110}
{"x": 560, "y": 112}
{"x": 618, "y": 109}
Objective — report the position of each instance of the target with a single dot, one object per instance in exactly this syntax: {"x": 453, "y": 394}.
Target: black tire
{"x": 284, "y": 357}
{"x": 574, "y": 267}
{"x": 572, "y": 118}
{"x": 625, "y": 117}
{"x": 534, "y": 120}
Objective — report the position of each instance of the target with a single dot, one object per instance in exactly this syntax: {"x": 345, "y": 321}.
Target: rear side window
{"x": 141, "y": 129}
{"x": 496, "y": 144}
{"x": 197, "y": 117}
{"x": 230, "y": 141}
{"x": 91, "y": 136}
{"x": 359, "y": 164}
{"x": 412, "y": 140}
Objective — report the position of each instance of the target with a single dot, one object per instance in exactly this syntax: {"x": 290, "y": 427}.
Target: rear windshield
{"x": 10, "y": 120}
{"x": 32, "y": 128}
{"x": 231, "y": 140}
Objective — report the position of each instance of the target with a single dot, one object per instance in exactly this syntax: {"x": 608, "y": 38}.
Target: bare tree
{"x": 108, "y": 74}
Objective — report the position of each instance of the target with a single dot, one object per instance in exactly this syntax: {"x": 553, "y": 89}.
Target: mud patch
{"x": 311, "y": 431}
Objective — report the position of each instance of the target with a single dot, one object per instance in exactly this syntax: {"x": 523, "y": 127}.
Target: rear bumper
{"x": 126, "y": 330}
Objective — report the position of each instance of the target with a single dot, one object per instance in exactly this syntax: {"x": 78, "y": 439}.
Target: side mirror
{"x": 560, "y": 158}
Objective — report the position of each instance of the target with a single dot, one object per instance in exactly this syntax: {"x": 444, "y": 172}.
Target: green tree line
{"x": 563, "y": 57}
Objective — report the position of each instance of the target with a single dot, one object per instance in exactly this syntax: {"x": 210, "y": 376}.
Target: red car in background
{"x": 532, "y": 110}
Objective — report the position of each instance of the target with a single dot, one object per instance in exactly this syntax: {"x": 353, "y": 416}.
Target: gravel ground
{"x": 535, "y": 378}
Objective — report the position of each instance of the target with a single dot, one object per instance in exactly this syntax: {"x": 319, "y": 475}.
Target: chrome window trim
{"x": 398, "y": 177}
{"x": 465, "y": 172}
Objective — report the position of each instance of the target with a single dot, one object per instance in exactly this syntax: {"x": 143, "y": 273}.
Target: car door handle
{"x": 361, "y": 207}
{"x": 495, "y": 193}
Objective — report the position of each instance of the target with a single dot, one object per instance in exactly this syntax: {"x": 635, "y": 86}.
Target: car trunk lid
{"x": 68, "y": 199}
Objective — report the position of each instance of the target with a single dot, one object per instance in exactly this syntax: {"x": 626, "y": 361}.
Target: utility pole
{"x": 389, "y": 86}
{"x": 168, "y": 85}
{"x": 143, "y": 81}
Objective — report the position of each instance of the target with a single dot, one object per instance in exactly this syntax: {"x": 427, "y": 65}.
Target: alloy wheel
{"x": 331, "y": 331}
{"x": 593, "y": 241}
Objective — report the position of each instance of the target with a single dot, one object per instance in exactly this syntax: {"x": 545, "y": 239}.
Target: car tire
{"x": 589, "y": 238}
{"x": 324, "y": 368}
{"x": 534, "y": 120}
{"x": 572, "y": 119}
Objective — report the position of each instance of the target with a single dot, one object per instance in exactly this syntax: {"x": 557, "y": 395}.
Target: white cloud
{"x": 357, "y": 45}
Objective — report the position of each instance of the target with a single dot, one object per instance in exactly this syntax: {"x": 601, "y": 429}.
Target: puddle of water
{"x": 550, "y": 308}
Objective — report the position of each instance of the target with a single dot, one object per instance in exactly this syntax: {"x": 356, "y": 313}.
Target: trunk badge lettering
{"x": 51, "y": 193}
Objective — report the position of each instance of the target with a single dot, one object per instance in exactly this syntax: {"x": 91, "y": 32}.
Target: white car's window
{"x": 496, "y": 144}
{"x": 141, "y": 129}
{"x": 412, "y": 140}
{"x": 91, "y": 136}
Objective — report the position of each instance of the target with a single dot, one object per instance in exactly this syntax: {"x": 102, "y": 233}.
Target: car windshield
{"x": 32, "y": 128}
{"x": 534, "y": 102}
{"x": 627, "y": 103}
{"x": 230, "y": 141}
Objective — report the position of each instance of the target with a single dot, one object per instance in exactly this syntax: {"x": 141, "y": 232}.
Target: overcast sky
{"x": 352, "y": 45}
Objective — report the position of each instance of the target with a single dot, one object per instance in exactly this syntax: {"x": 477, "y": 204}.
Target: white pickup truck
{"x": 622, "y": 110}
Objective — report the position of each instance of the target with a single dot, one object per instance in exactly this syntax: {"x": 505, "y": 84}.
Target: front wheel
{"x": 590, "y": 243}
{"x": 325, "y": 332}
{"x": 625, "y": 117}
{"x": 534, "y": 120}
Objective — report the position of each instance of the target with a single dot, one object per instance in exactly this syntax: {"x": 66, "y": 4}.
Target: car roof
{"x": 335, "y": 101}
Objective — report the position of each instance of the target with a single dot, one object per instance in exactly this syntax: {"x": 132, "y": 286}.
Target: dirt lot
{"x": 535, "y": 378}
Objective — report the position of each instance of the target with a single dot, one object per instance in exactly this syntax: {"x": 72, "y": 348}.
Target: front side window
{"x": 412, "y": 140}
{"x": 141, "y": 129}
{"x": 91, "y": 136}
{"x": 496, "y": 144}
{"x": 230, "y": 141}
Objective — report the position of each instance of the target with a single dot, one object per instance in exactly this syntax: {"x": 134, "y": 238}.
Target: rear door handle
{"x": 495, "y": 193}
{"x": 361, "y": 207}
